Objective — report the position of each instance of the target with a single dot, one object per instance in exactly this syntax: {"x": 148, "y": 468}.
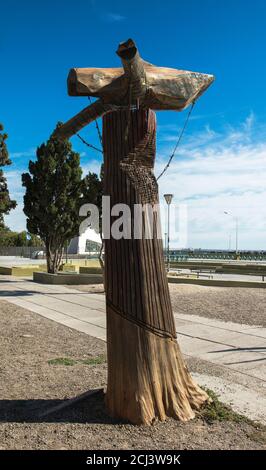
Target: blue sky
{"x": 221, "y": 164}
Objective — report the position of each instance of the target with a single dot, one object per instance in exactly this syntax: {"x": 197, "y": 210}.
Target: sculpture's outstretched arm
{"x": 82, "y": 119}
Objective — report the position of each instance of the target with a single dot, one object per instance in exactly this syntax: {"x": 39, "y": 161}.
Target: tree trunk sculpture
{"x": 147, "y": 376}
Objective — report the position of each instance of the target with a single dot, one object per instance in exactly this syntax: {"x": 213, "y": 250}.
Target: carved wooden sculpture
{"x": 147, "y": 377}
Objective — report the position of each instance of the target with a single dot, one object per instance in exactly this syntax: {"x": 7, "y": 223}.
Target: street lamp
{"x": 236, "y": 225}
{"x": 168, "y": 199}
{"x": 229, "y": 242}
{"x": 165, "y": 241}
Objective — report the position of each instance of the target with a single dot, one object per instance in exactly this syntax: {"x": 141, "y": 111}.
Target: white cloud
{"x": 214, "y": 172}
{"x": 93, "y": 166}
{"x": 249, "y": 122}
{"x": 27, "y": 154}
{"x": 16, "y": 220}
{"x": 113, "y": 17}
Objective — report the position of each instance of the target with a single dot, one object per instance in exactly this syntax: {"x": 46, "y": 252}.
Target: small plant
{"x": 218, "y": 411}
{"x": 65, "y": 361}
{"x": 93, "y": 361}
{"x": 62, "y": 361}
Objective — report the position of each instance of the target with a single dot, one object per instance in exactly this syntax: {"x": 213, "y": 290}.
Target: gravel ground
{"x": 29, "y": 384}
{"x": 234, "y": 304}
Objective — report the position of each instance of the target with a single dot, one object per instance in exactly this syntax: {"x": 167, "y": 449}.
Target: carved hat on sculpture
{"x": 137, "y": 83}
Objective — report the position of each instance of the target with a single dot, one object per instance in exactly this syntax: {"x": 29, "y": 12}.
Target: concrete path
{"x": 231, "y": 358}
{"x": 224, "y": 276}
{"x": 10, "y": 261}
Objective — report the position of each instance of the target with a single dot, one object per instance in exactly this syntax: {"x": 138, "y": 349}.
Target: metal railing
{"x": 19, "y": 251}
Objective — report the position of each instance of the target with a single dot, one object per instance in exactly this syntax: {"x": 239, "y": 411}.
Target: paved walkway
{"x": 234, "y": 355}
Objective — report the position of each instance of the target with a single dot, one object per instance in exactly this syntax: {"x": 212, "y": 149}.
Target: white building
{"x": 89, "y": 242}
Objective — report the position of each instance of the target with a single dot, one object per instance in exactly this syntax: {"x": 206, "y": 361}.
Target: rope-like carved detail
{"x": 155, "y": 330}
{"x": 138, "y": 166}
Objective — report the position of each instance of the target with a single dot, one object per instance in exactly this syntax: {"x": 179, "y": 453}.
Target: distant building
{"x": 88, "y": 243}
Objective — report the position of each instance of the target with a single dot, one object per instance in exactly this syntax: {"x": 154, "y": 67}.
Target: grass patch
{"x": 259, "y": 435}
{"x": 65, "y": 361}
{"x": 93, "y": 361}
{"x": 62, "y": 361}
{"x": 218, "y": 411}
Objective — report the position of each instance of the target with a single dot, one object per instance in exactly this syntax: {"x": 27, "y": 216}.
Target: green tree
{"x": 94, "y": 193}
{"x": 6, "y": 204}
{"x": 22, "y": 239}
{"x": 10, "y": 238}
{"x": 7, "y": 238}
{"x": 54, "y": 193}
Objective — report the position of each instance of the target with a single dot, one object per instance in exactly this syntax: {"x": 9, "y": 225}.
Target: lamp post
{"x": 165, "y": 242}
{"x": 229, "y": 242}
{"x": 236, "y": 227}
{"x": 168, "y": 199}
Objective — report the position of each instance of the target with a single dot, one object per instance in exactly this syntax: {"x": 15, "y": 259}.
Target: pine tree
{"x": 94, "y": 191}
{"x": 6, "y": 204}
{"x": 54, "y": 193}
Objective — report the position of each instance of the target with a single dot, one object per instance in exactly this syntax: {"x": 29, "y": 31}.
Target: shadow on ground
{"x": 256, "y": 349}
{"x": 89, "y": 410}
{"x": 23, "y": 292}
{"x": 17, "y": 293}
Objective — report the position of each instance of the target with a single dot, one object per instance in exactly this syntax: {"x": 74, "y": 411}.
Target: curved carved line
{"x": 152, "y": 329}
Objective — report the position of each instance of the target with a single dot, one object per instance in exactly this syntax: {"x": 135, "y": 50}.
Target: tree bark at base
{"x": 147, "y": 377}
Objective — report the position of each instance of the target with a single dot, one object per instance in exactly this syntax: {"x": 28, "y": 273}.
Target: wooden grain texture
{"x": 82, "y": 119}
{"x": 138, "y": 83}
{"x": 154, "y": 87}
{"x": 130, "y": 180}
{"x": 147, "y": 378}
{"x": 134, "y": 70}
{"x": 165, "y": 88}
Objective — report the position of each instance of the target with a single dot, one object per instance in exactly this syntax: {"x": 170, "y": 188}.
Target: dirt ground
{"x": 234, "y": 304}
{"x": 44, "y": 363}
